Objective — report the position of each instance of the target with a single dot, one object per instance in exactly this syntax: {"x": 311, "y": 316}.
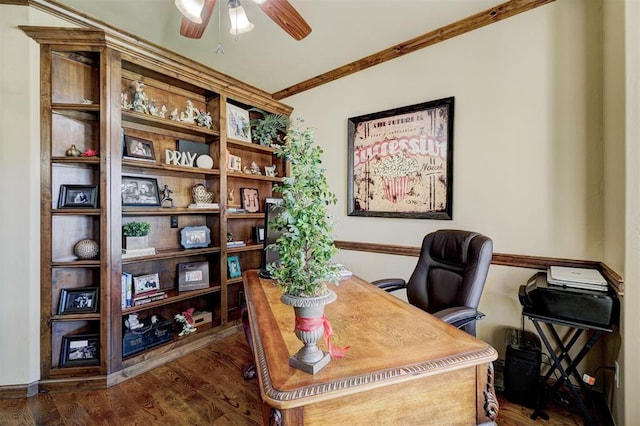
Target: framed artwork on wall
{"x": 400, "y": 162}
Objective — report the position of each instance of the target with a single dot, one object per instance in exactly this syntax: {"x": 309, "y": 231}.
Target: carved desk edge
{"x": 513, "y": 260}
{"x": 330, "y": 390}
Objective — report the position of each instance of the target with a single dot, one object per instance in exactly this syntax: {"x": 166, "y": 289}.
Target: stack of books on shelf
{"x": 148, "y": 297}
{"x": 204, "y": 206}
{"x": 127, "y": 253}
{"x": 127, "y": 290}
{"x": 236, "y": 244}
{"x": 236, "y": 210}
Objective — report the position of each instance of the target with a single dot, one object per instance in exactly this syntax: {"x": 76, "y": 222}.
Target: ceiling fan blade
{"x": 191, "y": 29}
{"x": 287, "y": 17}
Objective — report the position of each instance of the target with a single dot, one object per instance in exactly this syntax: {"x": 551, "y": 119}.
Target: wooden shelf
{"x": 76, "y": 212}
{"x": 75, "y": 107}
{"x": 231, "y": 216}
{"x": 170, "y": 254}
{"x": 106, "y": 73}
{"x": 248, "y": 247}
{"x": 164, "y": 123}
{"x": 76, "y": 160}
{"x": 76, "y": 317}
{"x": 247, "y": 176}
{"x": 129, "y": 165}
{"x": 173, "y": 296}
{"x": 139, "y": 211}
{"x": 247, "y": 146}
{"x": 75, "y": 263}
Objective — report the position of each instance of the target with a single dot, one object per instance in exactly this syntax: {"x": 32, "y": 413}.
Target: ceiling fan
{"x": 196, "y": 15}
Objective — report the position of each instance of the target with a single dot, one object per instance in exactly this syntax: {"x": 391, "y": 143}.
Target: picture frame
{"x": 78, "y": 300}
{"x": 80, "y": 350}
{"x": 250, "y": 199}
{"x": 193, "y": 275}
{"x": 400, "y": 162}
{"x": 78, "y": 196}
{"x": 140, "y": 192}
{"x": 259, "y": 234}
{"x": 238, "y": 124}
{"x": 234, "y": 163}
{"x": 233, "y": 267}
{"x": 195, "y": 236}
{"x": 149, "y": 283}
{"x": 139, "y": 148}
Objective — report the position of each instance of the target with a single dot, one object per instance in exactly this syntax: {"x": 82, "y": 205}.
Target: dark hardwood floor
{"x": 203, "y": 388}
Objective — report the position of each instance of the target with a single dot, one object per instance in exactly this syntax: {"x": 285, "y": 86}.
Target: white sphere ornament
{"x": 86, "y": 249}
{"x": 204, "y": 161}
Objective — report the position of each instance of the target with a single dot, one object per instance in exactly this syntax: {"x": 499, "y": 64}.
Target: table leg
{"x": 571, "y": 369}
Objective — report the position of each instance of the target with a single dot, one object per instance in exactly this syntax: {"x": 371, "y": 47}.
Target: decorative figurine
{"x": 186, "y": 319}
{"x": 190, "y": 114}
{"x": 73, "y": 152}
{"x": 132, "y": 322}
{"x": 255, "y": 169}
{"x": 166, "y": 196}
{"x": 140, "y": 101}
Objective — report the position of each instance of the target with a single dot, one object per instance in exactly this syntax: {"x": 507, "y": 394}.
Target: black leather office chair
{"x": 449, "y": 277}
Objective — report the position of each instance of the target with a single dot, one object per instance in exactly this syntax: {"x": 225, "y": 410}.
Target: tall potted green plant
{"x": 306, "y": 245}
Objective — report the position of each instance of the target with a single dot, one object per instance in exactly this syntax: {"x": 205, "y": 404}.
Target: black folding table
{"x": 560, "y": 355}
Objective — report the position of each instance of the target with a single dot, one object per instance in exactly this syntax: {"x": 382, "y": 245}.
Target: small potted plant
{"x": 267, "y": 129}
{"x": 136, "y": 235}
{"x": 306, "y": 245}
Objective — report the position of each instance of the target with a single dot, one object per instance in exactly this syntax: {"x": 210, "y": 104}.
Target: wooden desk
{"x": 404, "y": 367}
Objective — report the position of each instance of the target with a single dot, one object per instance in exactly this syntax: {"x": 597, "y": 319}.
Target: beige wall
{"x": 20, "y": 207}
{"x": 531, "y": 170}
{"x": 533, "y": 167}
{"x": 528, "y": 167}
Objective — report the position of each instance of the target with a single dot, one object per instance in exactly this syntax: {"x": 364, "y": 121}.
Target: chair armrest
{"x": 459, "y": 316}
{"x": 390, "y": 284}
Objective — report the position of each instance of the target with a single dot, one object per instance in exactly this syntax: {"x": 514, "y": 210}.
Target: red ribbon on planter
{"x": 310, "y": 324}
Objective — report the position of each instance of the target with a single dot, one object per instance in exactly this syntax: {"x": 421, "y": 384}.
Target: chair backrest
{"x": 451, "y": 270}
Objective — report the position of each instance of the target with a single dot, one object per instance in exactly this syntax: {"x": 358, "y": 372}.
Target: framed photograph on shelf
{"x": 78, "y": 300}
{"x": 78, "y": 196}
{"x": 250, "y": 199}
{"x": 234, "y": 163}
{"x": 233, "y": 266}
{"x": 193, "y": 275}
{"x": 195, "y": 237}
{"x": 140, "y": 192}
{"x": 238, "y": 125}
{"x": 80, "y": 350}
{"x": 146, "y": 284}
{"x": 139, "y": 148}
{"x": 401, "y": 162}
{"x": 259, "y": 231}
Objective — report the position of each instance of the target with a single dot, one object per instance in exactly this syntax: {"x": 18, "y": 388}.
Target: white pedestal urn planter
{"x": 309, "y": 328}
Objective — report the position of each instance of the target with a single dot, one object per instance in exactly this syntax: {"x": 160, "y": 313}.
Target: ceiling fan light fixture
{"x": 191, "y": 9}
{"x": 240, "y": 24}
